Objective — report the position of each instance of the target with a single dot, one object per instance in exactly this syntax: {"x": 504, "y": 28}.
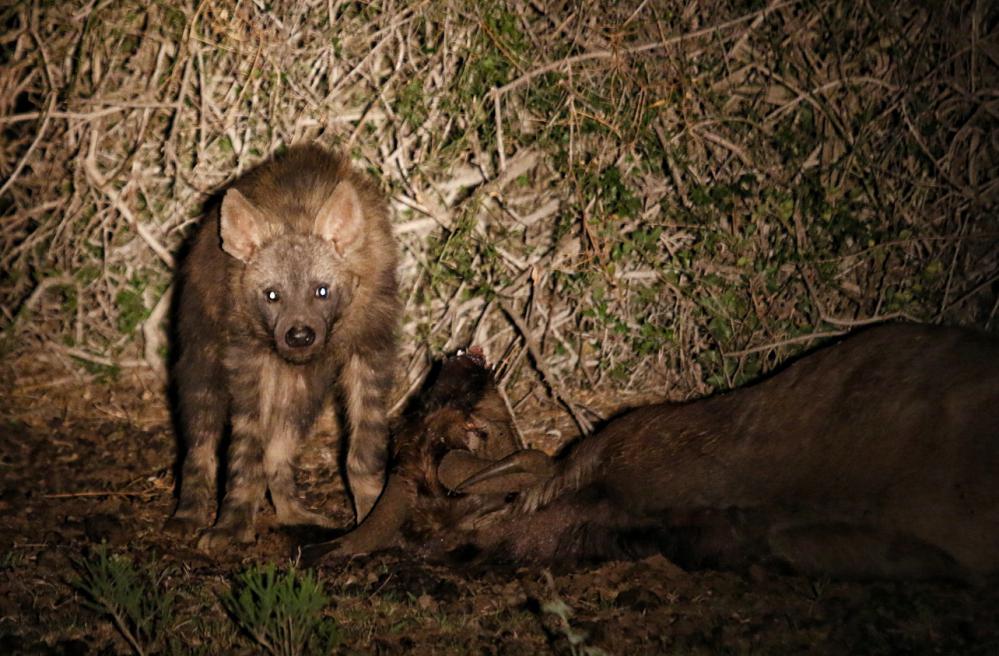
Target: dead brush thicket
{"x": 615, "y": 200}
{"x": 611, "y": 198}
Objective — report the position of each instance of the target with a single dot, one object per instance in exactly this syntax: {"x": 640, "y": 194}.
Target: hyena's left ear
{"x": 341, "y": 219}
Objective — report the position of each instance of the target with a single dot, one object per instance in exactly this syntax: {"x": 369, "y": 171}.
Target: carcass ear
{"x": 241, "y": 226}
{"x": 341, "y": 219}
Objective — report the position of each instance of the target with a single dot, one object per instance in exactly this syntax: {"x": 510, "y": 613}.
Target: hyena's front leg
{"x": 245, "y": 486}
{"x": 278, "y": 458}
{"x": 202, "y": 410}
{"x": 366, "y": 384}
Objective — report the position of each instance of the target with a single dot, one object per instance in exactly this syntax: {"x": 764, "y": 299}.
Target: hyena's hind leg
{"x": 366, "y": 385}
{"x": 202, "y": 412}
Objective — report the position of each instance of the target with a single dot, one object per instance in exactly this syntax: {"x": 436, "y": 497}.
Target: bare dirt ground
{"x": 86, "y": 463}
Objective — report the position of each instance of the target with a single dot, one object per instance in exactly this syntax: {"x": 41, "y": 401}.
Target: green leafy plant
{"x": 561, "y": 610}
{"x": 132, "y": 597}
{"x": 11, "y": 560}
{"x": 282, "y": 611}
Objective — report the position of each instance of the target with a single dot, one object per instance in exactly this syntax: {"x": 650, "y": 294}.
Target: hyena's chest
{"x": 278, "y": 394}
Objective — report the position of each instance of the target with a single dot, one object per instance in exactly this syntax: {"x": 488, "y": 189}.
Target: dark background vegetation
{"x": 617, "y": 201}
{"x": 645, "y": 195}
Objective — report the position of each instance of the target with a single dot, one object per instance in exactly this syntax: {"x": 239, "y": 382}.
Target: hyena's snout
{"x": 300, "y": 336}
{"x": 298, "y": 339}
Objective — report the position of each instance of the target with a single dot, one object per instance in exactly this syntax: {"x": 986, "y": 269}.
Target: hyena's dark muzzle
{"x": 299, "y": 340}
{"x": 300, "y": 337}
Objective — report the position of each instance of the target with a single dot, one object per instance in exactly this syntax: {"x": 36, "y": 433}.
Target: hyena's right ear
{"x": 241, "y": 226}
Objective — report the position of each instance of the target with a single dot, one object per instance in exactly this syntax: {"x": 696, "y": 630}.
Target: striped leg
{"x": 202, "y": 413}
{"x": 245, "y": 486}
{"x": 366, "y": 386}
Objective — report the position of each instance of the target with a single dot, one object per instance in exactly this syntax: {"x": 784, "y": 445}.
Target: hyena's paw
{"x": 217, "y": 538}
{"x": 182, "y": 525}
{"x": 294, "y": 514}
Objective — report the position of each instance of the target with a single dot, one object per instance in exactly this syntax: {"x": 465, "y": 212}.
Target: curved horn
{"x": 518, "y": 471}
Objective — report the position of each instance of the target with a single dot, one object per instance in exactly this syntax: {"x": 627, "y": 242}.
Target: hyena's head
{"x": 297, "y": 284}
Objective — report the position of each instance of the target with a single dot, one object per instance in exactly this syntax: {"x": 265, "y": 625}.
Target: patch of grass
{"x": 412, "y": 104}
{"x": 282, "y": 611}
{"x": 131, "y": 308}
{"x": 12, "y": 560}
{"x": 134, "y": 598}
{"x": 104, "y": 373}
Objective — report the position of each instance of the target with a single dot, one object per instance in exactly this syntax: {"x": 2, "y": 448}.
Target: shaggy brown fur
{"x": 288, "y": 293}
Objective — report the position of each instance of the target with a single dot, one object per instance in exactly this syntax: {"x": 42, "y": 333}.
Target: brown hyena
{"x": 287, "y": 295}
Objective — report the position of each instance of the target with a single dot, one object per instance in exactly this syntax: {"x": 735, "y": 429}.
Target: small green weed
{"x": 577, "y": 639}
{"x": 12, "y": 560}
{"x": 131, "y": 309}
{"x": 132, "y": 597}
{"x": 282, "y": 611}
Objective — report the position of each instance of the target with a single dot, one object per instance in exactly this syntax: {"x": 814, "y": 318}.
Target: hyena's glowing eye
{"x": 271, "y": 295}
{"x": 322, "y": 291}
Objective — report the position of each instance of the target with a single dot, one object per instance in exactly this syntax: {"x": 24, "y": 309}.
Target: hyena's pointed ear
{"x": 241, "y": 226}
{"x": 341, "y": 219}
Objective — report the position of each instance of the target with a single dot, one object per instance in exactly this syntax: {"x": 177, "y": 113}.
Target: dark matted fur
{"x": 876, "y": 457}
{"x": 288, "y": 293}
{"x": 462, "y": 410}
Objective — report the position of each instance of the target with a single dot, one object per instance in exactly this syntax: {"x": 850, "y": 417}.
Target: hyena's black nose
{"x": 299, "y": 336}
